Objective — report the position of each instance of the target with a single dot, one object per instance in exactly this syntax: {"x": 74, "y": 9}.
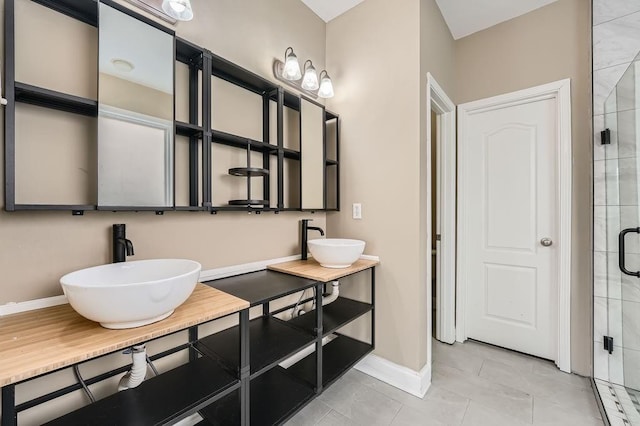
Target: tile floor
{"x": 472, "y": 384}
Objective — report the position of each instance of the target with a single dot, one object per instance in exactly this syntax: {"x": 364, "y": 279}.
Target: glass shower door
{"x": 621, "y": 199}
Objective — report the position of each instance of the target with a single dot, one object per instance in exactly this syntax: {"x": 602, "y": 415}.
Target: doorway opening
{"x": 435, "y": 205}
{"x": 441, "y": 213}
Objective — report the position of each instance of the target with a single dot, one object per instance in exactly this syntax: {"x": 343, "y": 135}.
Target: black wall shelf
{"x": 189, "y": 130}
{"x": 248, "y": 172}
{"x": 73, "y": 207}
{"x": 201, "y": 136}
{"x": 240, "y": 141}
{"x": 46, "y": 98}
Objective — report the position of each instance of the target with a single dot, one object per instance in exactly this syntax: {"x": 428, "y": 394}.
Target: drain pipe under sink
{"x": 138, "y": 371}
{"x": 330, "y": 298}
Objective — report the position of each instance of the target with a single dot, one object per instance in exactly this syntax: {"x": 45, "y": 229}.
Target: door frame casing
{"x": 560, "y": 91}
{"x": 441, "y": 104}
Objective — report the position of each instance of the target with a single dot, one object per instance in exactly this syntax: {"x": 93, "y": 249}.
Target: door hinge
{"x": 605, "y": 137}
{"x": 608, "y": 343}
{"x": 438, "y": 237}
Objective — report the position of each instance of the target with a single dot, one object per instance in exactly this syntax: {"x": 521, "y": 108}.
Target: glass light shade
{"x": 178, "y": 9}
{"x": 326, "y": 88}
{"x": 310, "y": 79}
{"x": 291, "y": 70}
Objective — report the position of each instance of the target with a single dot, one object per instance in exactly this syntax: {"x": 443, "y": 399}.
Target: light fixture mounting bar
{"x": 155, "y": 8}
{"x": 278, "y": 67}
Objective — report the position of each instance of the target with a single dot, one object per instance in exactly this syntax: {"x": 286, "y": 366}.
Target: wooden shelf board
{"x": 37, "y": 342}
{"x": 312, "y": 270}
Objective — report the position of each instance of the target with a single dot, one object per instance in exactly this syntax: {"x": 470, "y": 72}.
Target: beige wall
{"x": 250, "y": 33}
{"x": 374, "y": 53}
{"x": 548, "y": 44}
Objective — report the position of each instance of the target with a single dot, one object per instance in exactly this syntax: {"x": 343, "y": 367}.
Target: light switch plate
{"x": 357, "y": 211}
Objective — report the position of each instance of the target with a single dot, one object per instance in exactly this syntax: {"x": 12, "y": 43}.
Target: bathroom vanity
{"x": 232, "y": 376}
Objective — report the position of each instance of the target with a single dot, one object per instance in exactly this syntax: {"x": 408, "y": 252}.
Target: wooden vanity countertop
{"x": 45, "y": 340}
{"x": 312, "y": 270}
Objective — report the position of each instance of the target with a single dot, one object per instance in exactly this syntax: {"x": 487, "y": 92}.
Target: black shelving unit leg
{"x": 319, "y": 332}
{"x": 244, "y": 369}
{"x": 207, "y": 59}
{"x": 9, "y": 413}
{"x": 193, "y": 140}
{"x": 193, "y": 337}
{"x": 266, "y": 138}
{"x": 373, "y": 307}
{"x": 280, "y": 132}
{"x": 338, "y": 166}
{"x": 10, "y": 109}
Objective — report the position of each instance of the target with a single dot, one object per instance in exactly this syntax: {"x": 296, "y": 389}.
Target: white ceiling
{"x": 329, "y": 9}
{"x": 464, "y": 17}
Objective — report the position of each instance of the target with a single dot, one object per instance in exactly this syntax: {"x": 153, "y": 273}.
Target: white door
{"x": 511, "y": 220}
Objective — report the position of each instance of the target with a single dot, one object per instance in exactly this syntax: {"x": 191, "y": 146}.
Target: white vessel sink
{"x": 131, "y": 294}
{"x": 335, "y": 252}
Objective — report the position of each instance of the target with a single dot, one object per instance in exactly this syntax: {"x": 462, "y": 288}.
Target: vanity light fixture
{"x": 326, "y": 85}
{"x": 310, "y": 78}
{"x": 291, "y": 69}
{"x": 178, "y": 9}
{"x": 289, "y": 72}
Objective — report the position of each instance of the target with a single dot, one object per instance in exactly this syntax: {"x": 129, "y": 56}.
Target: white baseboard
{"x": 245, "y": 268}
{"x": 30, "y": 305}
{"x": 414, "y": 382}
{"x": 369, "y": 257}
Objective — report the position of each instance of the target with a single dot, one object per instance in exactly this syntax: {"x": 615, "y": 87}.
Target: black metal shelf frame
{"x": 273, "y": 340}
{"x": 235, "y": 379}
{"x": 198, "y": 60}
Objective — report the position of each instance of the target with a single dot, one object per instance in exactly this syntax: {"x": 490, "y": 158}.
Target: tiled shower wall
{"x": 616, "y": 42}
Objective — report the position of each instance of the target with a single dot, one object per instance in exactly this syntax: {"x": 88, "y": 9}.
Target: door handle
{"x": 546, "y": 242}
{"x": 621, "y": 261}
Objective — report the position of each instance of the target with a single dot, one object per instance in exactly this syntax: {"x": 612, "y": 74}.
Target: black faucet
{"x": 304, "y": 230}
{"x": 122, "y": 247}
